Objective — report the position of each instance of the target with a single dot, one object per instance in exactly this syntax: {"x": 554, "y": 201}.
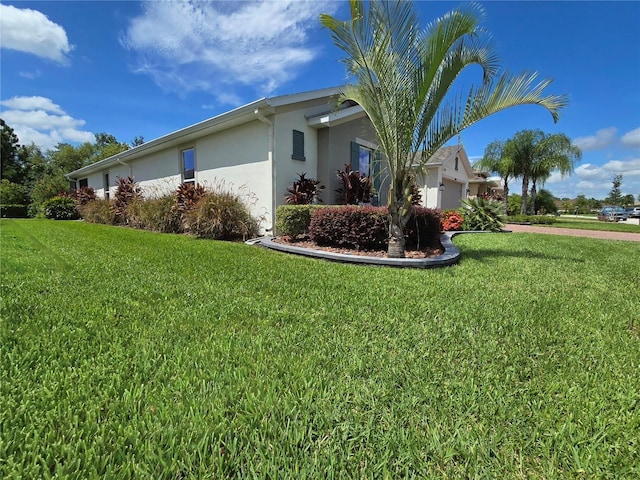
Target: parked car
{"x": 633, "y": 212}
{"x": 612, "y": 214}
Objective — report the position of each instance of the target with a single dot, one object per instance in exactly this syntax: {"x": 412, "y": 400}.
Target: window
{"x": 83, "y": 183}
{"x": 106, "y": 186}
{"x": 366, "y": 160}
{"x": 298, "y": 146}
{"x": 456, "y": 167}
{"x": 189, "y": 165}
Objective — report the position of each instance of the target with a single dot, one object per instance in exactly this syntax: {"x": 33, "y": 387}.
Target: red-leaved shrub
{"x": 361, "y": 228}
{"x": 367, "y": 228}
{"x": 423, "y": 228}
{"x": 452, "y": 221}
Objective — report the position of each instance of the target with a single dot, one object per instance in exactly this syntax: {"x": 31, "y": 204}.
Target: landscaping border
{"x": 451, "y": 254}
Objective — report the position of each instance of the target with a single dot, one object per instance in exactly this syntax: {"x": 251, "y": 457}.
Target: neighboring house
{"x": 259, "y": 148}
{"x": 481, "y": 184}
{"x": 447, "y": 179}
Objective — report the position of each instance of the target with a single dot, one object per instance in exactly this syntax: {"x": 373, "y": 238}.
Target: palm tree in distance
{"x": 403, "y": 76}
{"x": 553, "y": 153}
{"x": 497, "y": 160}
{"x": 532, "y": 155}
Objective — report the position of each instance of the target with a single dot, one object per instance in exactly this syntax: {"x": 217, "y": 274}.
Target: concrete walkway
{"x": 633, "y": 237}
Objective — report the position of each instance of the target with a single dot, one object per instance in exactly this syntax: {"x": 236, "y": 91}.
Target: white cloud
{"x": 31, "y": 31}
{"x": 196, "y": 45}
{"x": 31, "y": 75}
{"x": 32, "y": 103}
{"x": 38, "y": 120}
{"x": 603, "y": 138}
{"x": 632, "y": 138}
{"x": 595, "y": 181}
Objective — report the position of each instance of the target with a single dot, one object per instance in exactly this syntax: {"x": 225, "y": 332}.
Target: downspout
{"x": 270, "y": 156}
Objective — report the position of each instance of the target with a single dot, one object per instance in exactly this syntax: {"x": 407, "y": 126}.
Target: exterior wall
{"x": 158, "y": 174}
{"x": 431, "y": 194}
{"x": 287, "y": 169}
{"x": 237, "y": 160}
{"x": 334, "y": 151}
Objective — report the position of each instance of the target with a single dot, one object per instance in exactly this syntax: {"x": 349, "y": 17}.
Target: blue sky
{"x": 69, "y": 69}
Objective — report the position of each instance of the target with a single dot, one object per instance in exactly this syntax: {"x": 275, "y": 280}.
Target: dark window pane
{"x": 188, "y": 164}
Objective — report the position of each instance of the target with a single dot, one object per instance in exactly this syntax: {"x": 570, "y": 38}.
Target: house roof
{"x": 443, "y": 154}
{"x": 237, "y": 116}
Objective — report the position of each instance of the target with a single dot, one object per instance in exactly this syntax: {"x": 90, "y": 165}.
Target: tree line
{"x": 31, "y": 176}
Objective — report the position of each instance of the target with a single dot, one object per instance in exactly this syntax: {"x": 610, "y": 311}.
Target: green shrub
{"x": 294, "y": 220}
{"x": 14, "y": 211}
{"x": 156, "y": 214}
{"x": 98, "y": 211}
{"x": 61, "y": 208}
{"x": 482, "y": 214}
{"x": 361, "y": 228}
{"x": 222, "y": 216}
{"x": 12, "y": 193}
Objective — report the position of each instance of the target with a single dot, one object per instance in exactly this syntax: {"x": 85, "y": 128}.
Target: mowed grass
{"x": 129, "y": 354}
{"x": 594, "y": 224}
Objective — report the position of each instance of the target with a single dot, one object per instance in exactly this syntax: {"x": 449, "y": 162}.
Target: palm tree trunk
{"x": 525, "y": 193}
{"x": 533, "y": 198}
{"x": 397, "y": 244}
{"x": 397, "y": 247}
{"x": 506, "y": 194}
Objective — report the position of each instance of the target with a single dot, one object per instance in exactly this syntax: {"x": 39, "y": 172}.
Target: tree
{"x": 615, "y": 195}
{"x": 553, "y": 152}
{"x": 403, "y": 78}
{"x": 532, "y": 155}
{"x": 582, "y": 204}
{"x": 11, "y": 167}
{"x": 627, "y": 200}
{"x": 544, "y": 202}
{"x": 496, "y": 160}
{"x": 137, "y": 141}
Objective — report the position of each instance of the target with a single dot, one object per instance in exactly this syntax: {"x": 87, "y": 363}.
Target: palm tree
{"x": 535, "y": 156}
{"x": 497, "y": 160}
{"x": 403, "y": 76}
{"x": 554, "y": 153}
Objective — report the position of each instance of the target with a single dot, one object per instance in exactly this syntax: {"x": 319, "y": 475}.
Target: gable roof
{"x": 237, "y": 116}
{"x": 443, "y": 154}
{"x": 446, "y": 154}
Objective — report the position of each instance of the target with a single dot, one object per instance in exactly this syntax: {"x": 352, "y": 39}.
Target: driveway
{"x": 632, "y": 237}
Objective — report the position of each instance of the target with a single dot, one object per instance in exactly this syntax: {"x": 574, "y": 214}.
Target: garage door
{"x": 451, "y": 195}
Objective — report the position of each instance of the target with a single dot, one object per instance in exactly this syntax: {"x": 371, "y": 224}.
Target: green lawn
{"x": 129, "y": 354}
{"x": 594, "y": 224}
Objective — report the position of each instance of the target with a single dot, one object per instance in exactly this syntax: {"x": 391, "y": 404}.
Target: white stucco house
{"x": 261, "y": 147}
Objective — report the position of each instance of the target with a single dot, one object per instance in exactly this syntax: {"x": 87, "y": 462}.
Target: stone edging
{"x": 450, "y": 256}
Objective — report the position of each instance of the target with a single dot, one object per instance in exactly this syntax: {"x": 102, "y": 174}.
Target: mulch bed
{"x": 305, "y": 242}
